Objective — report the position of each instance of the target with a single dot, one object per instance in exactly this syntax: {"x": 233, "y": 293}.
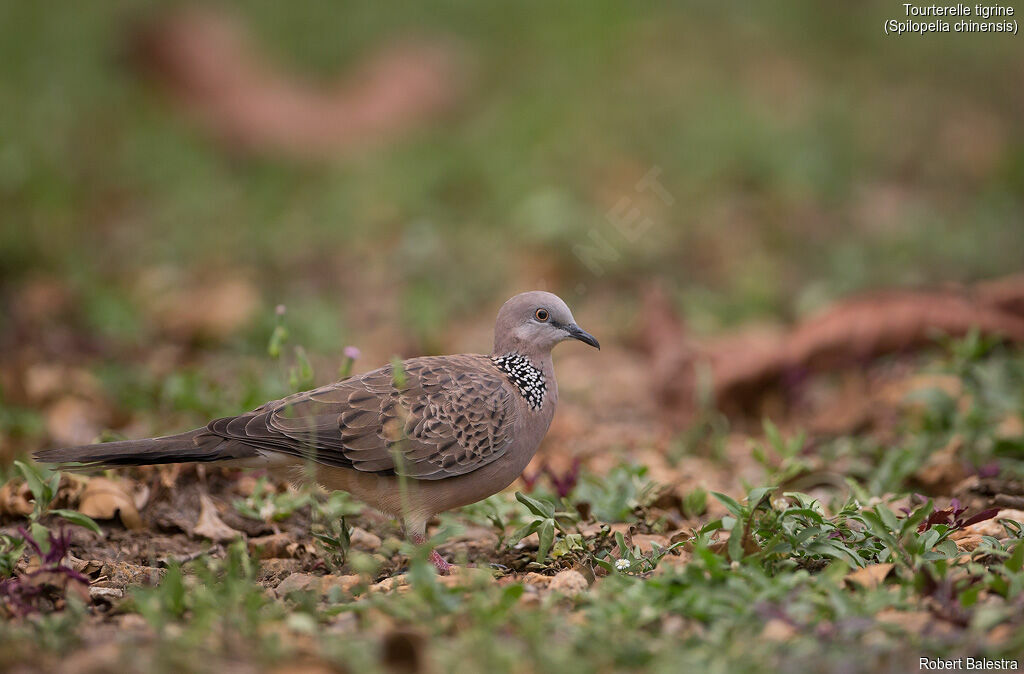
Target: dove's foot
{"x": 439, "y": 562}
{"x": 442, "y": 566}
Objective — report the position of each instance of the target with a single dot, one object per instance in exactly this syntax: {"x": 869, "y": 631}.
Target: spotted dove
{"x": 414, "y": 440}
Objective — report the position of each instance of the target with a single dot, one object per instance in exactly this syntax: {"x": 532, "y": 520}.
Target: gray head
{"x": 532, "y": 323}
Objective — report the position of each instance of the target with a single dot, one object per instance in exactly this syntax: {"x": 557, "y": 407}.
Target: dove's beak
{"x": 576, "y": 332}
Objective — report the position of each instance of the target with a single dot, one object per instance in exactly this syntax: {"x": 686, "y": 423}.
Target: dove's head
{"x": 532, "y": 323}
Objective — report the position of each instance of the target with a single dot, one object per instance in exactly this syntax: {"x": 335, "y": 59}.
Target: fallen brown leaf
{"x": 15, "y": 499}
{"x": 870, "y": 576}
{"x": 105, "y": 499}
{"x": 992, "y": 527}
{"x": 206, "y": 60}
{"x": 48, "y": 381}
{"x": 75, "y": 421}
{"x": 1012, "y": 426}
{"x": 778, "y": 630}
{"x": 209, "y": 525}
{"x": 968, "y": 543}
{"x": 851, "y": 332}
{"x": 1006, "y": 293}
{"x": 914, "y": 622}
{"x": 208, "y": 309}
{"x": 943, "y": 470}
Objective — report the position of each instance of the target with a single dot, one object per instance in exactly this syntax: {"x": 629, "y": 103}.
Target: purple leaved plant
{"x": 953, "y": 517}
{"x": 22, "y": 594}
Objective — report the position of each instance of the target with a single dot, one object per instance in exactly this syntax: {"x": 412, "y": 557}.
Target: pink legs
{"x": 442, "y": 566}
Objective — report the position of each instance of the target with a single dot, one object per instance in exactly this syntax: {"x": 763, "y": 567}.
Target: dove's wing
{"x": 439, "y": 417}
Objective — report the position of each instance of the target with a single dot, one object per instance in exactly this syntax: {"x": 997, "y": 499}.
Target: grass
{"x": 704, "y": 614}
{"x": 783, "y": 589}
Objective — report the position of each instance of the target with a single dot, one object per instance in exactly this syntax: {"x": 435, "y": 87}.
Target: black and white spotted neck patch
{"x": 525, "y": 376}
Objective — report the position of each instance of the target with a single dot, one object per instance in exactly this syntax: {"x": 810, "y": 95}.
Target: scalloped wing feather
{"x": 453, "y": 415}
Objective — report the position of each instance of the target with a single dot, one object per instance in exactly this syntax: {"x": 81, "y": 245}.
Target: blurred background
{"x": 170, "y": 174}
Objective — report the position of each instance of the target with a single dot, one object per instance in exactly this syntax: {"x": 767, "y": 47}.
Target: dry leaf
{"x": 169, "y": 474}
{"x": 1010, "y": 427}
{"x": 74, "y": 421}
{"x": 870, "y": 576}
{"x": 969, "y": 543}
{"x": 850, "y": 332}
{"x": 48, "y": 381}
{"x": 105, "y": 499}
{"x": 207, "y": 309}
{"x": 209, "y": 524}
{"x": 1006, "y": 293}
{"x": 14, "y": 499}
{"x": 140, "y": 496}
{"x": 210, "y": 64}
{"x": 992, "y": 527}
{"x": 943, "y": 470}
{"x": 778, "y": 630}
{"x": 914, "y": 622}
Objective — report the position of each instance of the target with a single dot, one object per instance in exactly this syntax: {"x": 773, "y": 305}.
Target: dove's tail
{"x": 197, "y": 445}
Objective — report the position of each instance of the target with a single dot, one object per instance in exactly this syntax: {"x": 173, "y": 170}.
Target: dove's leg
{"x": 417, "y": 533}
{"x": 439, "y": 562}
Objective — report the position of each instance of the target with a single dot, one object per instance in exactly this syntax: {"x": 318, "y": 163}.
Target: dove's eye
{"x": 541, "y": 315}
